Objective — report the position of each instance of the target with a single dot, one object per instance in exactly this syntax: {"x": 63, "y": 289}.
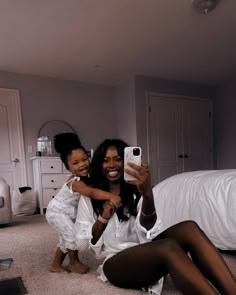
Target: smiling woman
{"x": 138, "y": 253}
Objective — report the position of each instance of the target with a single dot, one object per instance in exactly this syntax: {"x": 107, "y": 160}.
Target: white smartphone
{"x": 131, "y": 154}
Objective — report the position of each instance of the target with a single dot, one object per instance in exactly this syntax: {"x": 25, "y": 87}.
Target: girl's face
{"x": 78, "y": 162}
{"x": 113, "y": 165}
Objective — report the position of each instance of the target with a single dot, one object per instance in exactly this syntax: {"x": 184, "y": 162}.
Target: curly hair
{"x": 65, "y": 143}
{"x": 129, "y": 193}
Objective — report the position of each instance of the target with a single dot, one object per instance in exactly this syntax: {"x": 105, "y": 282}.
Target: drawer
{"x": 53, "y": 180}
{"x": 49, "y": 194}
{"x": 52, "y": 166}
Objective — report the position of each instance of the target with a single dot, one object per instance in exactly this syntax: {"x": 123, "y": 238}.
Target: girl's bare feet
{"x": 58, "y": 268}
{"x": 56, "y": 265}
{"x": 79, "y": 268}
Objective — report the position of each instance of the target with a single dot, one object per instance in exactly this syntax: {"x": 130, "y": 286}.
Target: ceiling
{"x": 108, "y": 41}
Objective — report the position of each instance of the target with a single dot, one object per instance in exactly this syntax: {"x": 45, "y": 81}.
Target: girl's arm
{"x": 94, "y": 193}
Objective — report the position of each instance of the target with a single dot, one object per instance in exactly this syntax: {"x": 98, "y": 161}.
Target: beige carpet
{"x": 31, "y": 242}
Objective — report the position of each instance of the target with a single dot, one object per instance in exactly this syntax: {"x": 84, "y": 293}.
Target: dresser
{"x": 49, "y": 175}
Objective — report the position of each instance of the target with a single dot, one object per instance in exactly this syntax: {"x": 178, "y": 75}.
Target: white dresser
{"x": 49, "y": 175}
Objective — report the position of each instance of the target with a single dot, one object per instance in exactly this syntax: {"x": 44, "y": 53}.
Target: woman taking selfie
{"x": 138, "y": 253}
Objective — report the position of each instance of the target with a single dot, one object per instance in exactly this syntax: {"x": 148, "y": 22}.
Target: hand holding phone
{"x": 132, "y": 155}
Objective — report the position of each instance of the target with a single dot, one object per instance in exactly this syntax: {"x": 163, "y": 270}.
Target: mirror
{"x": 46, "y": 136}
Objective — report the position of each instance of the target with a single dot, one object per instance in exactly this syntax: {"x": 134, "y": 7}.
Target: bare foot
{"x": 54, "y": 268}
{"x": 79, "y": 267}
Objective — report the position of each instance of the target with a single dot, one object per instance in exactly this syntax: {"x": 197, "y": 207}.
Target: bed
{"x": 207, "y": 197}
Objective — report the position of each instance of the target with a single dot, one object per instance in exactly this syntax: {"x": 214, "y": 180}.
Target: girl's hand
{"x": 143, "y": 179}
{"x": 115, "y": 200}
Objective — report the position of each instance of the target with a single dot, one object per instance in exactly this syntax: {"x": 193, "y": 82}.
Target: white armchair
{"x": 5, "y": 202}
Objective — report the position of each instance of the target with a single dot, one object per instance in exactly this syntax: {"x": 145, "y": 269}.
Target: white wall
{"x": 225, "y": 126}
{"x": 88, "y": 108}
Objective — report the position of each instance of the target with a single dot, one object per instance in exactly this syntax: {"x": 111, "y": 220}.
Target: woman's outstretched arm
{"x": 143, "y": 182}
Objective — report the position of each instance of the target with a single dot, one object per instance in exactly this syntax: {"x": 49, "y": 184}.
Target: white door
{"x": 179, "y": 136}
{"x": 12, "y": 158}
{"x": 165, "y": 137}
{"x": 197, "y": 144}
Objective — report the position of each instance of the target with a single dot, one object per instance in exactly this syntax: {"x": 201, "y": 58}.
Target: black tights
{"x": 143, "y": 265}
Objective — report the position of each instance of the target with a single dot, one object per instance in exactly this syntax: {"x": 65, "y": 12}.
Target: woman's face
{"x": 113, "y": 165}
{"x": 78, "y": 163}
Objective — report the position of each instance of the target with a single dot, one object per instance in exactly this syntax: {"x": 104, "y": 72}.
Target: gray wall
{"x": 98, "y": 112}
{"x": 126, "y": 112}
{"x": 225, "y": 126}
{"x": 88, "y": 108}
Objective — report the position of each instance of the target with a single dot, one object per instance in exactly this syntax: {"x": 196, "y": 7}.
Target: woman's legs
{"x": 143, "y": 265}
{"x": 204, "y": 254}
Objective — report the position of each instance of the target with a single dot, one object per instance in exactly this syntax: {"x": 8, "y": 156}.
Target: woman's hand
{"x": 143, "y": 179}
{"x": 108, "y": 210}
{"x": 143, "y": 182}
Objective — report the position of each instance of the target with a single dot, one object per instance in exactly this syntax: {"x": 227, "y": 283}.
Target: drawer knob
{"x": 51, "y": 166}
{"x": 52, "y": 180}
{"x": 53, "y": 197}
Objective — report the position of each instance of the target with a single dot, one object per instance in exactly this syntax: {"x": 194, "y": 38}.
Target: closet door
{"x": 165, "y": 137}
{"x": 197, "y": 140}
{"x": 179, "y": 136}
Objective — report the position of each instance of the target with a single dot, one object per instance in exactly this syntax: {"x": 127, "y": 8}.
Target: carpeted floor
{"x": 31, "y": 242}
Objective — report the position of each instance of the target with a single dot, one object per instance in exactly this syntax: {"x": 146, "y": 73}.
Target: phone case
{"x": 129, "y": 156}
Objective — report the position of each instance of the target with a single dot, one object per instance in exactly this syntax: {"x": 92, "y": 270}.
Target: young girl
{"x": 62, "y": 210}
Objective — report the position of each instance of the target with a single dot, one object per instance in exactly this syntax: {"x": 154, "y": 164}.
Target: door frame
{"x": 15, "y": 94}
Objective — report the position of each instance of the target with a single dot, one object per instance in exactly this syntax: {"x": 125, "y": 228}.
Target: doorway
{"x": 12, "y": 156}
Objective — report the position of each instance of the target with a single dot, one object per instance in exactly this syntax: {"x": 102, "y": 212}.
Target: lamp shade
{"x": 204, "y": 6}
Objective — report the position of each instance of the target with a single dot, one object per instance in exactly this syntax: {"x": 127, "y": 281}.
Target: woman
{"x": 137, "y": 253}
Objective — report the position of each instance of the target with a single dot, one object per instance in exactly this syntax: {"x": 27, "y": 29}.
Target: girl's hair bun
{"x": 64, "y": 143}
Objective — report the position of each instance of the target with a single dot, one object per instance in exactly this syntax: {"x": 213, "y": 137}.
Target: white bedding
{"x": 207, "y": 197}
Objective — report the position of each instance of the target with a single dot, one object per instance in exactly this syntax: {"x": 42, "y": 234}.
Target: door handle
{"x": 180, "y": 156}
{"x": 187, "y": 156}
{"x": 15, "y": 160}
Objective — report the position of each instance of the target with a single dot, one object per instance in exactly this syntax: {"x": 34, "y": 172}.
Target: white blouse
{"x": 116, "y": 237}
